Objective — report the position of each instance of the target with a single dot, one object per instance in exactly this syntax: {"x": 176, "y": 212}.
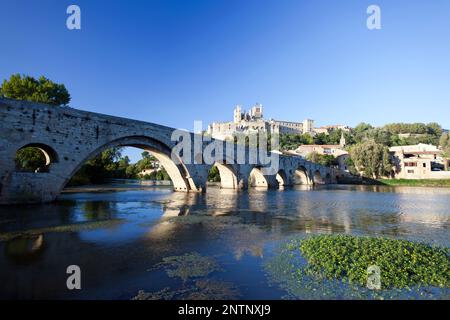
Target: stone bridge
{"x": 69, "y": 137}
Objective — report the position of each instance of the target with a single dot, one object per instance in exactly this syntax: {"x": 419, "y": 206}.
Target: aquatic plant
{"x": 207, "y": 289}
{"x": 164, "y": 294}
{"x": 336, "y": 267}
{"x": 192, "y": 269}
{"x": 189, "y": 265}
{"x": 402, "y": 263}
{"x": 204, "y": 289}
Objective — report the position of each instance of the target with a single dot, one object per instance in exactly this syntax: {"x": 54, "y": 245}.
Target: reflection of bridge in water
{"x": 335, "y": 209}
{"x": 69, "y": 137}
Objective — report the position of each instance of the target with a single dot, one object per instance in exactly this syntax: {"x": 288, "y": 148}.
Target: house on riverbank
{"x": 336, "y": 150}
{"x": 421, "y": 161}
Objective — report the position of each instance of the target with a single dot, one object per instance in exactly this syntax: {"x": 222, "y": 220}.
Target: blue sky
{"x": 176, "y": 61}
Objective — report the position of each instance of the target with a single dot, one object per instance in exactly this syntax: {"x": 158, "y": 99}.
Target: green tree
{"x": 293, "y": 141}
{"x": 108, "y": 164}
{"x": 42, "y": 90}
{"x": 444, "y": 142}
{"x": 320, "y": 138}
{"x": 323, "y": 159}
{"x": 147, "y": 162}
{"x": 158, "y": 175}
{"x": 162, "y": 175}
{"x": 360, "y": 132}
{"x": 334, "y": 136}
{"x": 30, "y": 159}
{"x": 214, "y": 174}
{"x": 38, "y": 90}
{"x": 379, "y": 135}
{"x": 371, "y": 159}
{"x": 434, "y": 129}
{"x": 131, "y": 171}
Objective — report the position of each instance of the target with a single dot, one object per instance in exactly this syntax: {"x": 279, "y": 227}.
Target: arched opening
{"x": 301, "y": 176}
{"x": 175, "y": 171}
{"x": 35, "y": 157}
{"x": 214, "y": 175}
{"x": 147, "y": 168}
{"x": 257, "y": 179}
{"x": 281, "y": 178}
{"x": 223, "y": 173}
{"x": 318, "y": 178}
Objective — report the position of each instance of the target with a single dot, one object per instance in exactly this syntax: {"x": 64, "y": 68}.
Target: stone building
{"x": 253, "y": 122}
{"x": 337, "y": 151}
{"x": 421, "y": 161}
{"x": 327, "y": 129}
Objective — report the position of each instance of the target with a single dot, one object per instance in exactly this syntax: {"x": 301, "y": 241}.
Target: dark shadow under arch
{"x": 301, "y": 176}
{"x": 318, "y": 178}
{"x": 282, "y": 178}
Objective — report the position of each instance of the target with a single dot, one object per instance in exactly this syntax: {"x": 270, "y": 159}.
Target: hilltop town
{"x": 254, "y": 121}
{"x": 407, "y": 151}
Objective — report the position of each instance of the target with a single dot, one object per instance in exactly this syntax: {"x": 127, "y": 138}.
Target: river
{"x": 135, "y": 239}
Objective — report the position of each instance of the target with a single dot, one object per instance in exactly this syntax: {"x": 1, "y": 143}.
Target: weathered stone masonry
{"x": 69, "y": 137}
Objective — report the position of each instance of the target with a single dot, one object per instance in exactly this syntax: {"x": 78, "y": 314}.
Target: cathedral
{"x": 253, "y": 122}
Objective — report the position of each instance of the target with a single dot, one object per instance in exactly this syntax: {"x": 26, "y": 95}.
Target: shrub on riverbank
{"x": 402, "y": 263}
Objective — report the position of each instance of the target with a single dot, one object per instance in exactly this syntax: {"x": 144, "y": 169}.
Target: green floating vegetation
{"x": 192, "y": 268}
{"x": 204, "y": 289}
{"x": 402, "y": 263}
{"x": 208, "y": 289}
{"x": 337, "y": 267}
{"x": 164, "y": 294}
{"x": 189, "y": 265}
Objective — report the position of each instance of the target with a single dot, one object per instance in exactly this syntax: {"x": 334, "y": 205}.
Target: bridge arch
{"x": 49, "y": 154}
{"x": 281, "y": 178}
{"x": 257, "y": 179}
{"x": 318, "y": 178}
{"x": 177, "y": 172}
{"x": 228, "y": 177}
{"x": 301, "y": 176}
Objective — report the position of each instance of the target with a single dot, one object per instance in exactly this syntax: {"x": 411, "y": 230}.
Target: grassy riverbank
{"x": 395, "y": 182}
{"x": 416, "y": 183}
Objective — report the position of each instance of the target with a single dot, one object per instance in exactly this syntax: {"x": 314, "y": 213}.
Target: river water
{"x": 131, "y": 239}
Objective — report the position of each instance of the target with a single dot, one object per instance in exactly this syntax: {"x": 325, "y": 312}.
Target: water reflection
{"x": 25, "y": 249}
{"x": 118, "y": 236}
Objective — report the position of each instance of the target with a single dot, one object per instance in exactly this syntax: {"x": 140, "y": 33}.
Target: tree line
{"x": 368, "y": 146}
{"x": 111, "y": 164}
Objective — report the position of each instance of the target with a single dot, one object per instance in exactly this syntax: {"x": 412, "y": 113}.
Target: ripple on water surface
{"x": 123, "y": 231}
